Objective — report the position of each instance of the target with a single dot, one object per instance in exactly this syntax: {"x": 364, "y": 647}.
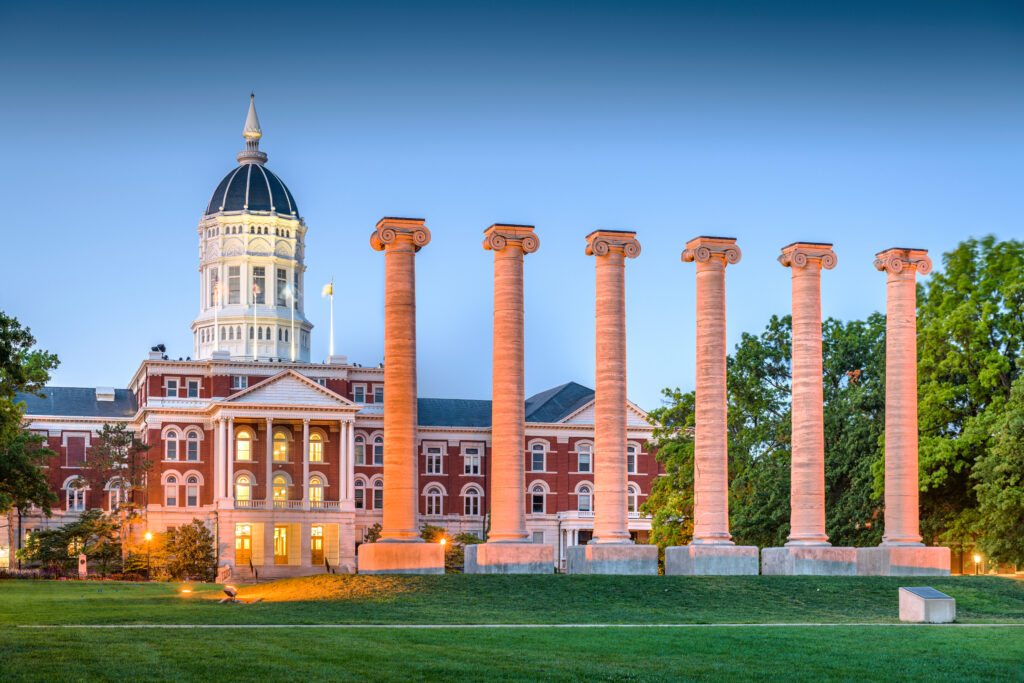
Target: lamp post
{"x": 977, "y": 561}
{"x": 149, "y": 537}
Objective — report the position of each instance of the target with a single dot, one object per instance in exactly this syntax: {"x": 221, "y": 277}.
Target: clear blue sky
{"x": 866, "y": 124}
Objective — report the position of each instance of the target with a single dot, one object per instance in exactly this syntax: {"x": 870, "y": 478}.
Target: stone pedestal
{"x": 510, "y": 558}
{"x": 926, "y": 605}
{"x": 385, "y": 557}
{"x": 809, "y": 560}
{"x": 612, "y": 558}
{"x": 903, "y": 561}
{"x": 711, "y": 560}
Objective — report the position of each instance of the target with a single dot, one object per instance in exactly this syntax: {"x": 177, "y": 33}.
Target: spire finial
{"x": 252, "y": 134}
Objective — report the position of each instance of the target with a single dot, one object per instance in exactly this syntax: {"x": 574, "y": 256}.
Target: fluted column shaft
{"x": 508, "y": 413}
{"x": 400, "y": 239}
{"x": 901, "y": 469}
{"x": 610, "y": 249}
{"x": 711, "y": 448}
{"x": 807, "y": 478}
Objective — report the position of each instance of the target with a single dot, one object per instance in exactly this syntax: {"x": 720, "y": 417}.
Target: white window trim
{"x": 199, "y": 386}
{"x": 576, "y": 452}
{"x": 358, "y": 385}
{"x": 443, "y": 446}
{"x": 530, "y": 452}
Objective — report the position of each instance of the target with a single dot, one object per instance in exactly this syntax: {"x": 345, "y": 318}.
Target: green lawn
{"x": 887, "y": 651}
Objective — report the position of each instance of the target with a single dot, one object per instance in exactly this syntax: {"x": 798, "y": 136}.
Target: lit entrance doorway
{"x": 316, "y": 545}
{"x": 280, "y": 545}
{"x": 243, "y": 544}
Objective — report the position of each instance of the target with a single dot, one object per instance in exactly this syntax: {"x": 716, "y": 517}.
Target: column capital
{"x": 898, "y": 259}
{"x": 800, "y": 254}
{"x": 604, "y": 242}
{"x": 306, "y": 420}
{"x": 394, "y": 231}
{"x": 705, "y": 248}
{"x": 502, "y": 235}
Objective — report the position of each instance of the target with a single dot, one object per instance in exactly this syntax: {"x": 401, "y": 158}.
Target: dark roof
{"x": 79, "y": 402}
{"x": 547, "y": 406}
{"x": 252, "y": 187}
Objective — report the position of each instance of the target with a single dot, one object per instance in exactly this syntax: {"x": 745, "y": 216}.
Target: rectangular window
{"x": 538, "y": 503}
{"x": 243, "y": 544}
{"x": 239, "y": 382}
{"x": 322, "y": 382}
{"x": 191, "y": 495}
{"x": 76, "y": 451}
{"x": 172, "y": 388}
{"x": 378, "y": 451}
{"x": 234, "y": 285}
{"x": 433, "y": 461}
{"x": 316, "y": 448}
{"x": 280, "y": 544}
{"x": 259, "y": 290}
{"x": 282, "y": 287}
{"x": 538, "y": 536}
{"x": 359, "y": 498}
{"x": 295, "y": 290}
{"x": 583, "y": 462}
{"x": 172, "y": 449}
{"x": 472, "y": 461}
{"x": 537, "y": 464}
{"x": 193, "y": 388}
{"x": 378, "y": 394}
{"x": 631, "y": 460}
{"x": 214, "y": 287}
{"x": 360, "y": 453}
{"x": 359, "y": 394}
{"x": 378, "y": 497}
{"x": 192, "y": 453}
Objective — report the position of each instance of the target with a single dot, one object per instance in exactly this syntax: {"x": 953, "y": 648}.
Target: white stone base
{"x": 926, "y": 605}
{"x": 711, "y": 560}
{"x": 510, "y": 558}
{"x": 612, "y": 558}
{"x": 903, "y": 560}
{"x": 813, "y": 560}
{"x": 385, "y": 557}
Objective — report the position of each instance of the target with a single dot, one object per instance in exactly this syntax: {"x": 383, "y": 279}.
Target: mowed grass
{"x": 471, "y": 599}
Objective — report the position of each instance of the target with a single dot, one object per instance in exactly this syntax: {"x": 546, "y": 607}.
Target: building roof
{"x": 547, "y": 406}
{"x": 252, "y": 187}
{"x": 79, "y": 402}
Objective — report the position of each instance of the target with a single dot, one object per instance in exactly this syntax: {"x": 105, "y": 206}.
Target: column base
{"x": 904, "y": 560}
{"x": 711, "y": 560}
{"x": 401, "y": 558}
{"x": 811, "y": 560}
{"x": 612, "y": 558}
{"x": 510, "y": 558}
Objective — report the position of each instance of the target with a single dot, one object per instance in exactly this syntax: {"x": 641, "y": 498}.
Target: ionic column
{"x": 508, "y": 414}
{"x": 270, "y": 464}
{"x": 400, "y": 239}
{"x": 710, "y": 458}
{"x": 901, "y": 475}
{"x": 342, "y": 459}
{"x": 219, "y": 460}
{"x": 611, "y": 248}
{"x": 350, "y": 493}
{"x": 807, "y": 480}
{"x": 229, "y": 483}
{"x": 305, "y": 463}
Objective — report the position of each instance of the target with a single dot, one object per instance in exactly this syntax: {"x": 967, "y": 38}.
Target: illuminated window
{"x": 280, "y": 491}
{"x": 243, "y": 544}
{"x": 243, "y": 446}
{"x": 316, "y": 491}
{"x": 243, "y": 487}
{"x": 360, "y": 455}
{"x": 433, "y": 501}
{"x": 316, "y": 545}
{"x": 280, "y": 544}
{"x": 316, "y": 447}
{"x": 280, "y": 447}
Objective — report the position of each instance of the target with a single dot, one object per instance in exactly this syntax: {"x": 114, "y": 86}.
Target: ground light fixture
{"x": 977, "y": 561}
{"x": 149, "y": 537}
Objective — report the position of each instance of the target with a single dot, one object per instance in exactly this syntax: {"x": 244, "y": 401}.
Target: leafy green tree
{"x": 92, "y": 534}
{"x": 190, "y": 552}
{"x": 970, "y": 332}
{"x": 670, "y": 503}
{"x": 372, "y": 534}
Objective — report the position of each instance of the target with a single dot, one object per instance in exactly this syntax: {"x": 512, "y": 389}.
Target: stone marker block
{"x": 612, "y": 558}
{"x": 711, "y": 560}
{"x": 809, "y": 560}
{"x": 903, "y": 561}
{"x": 510, "y": 558}
{"x": 385, "y": 557}
{"x": 926, "y": 605}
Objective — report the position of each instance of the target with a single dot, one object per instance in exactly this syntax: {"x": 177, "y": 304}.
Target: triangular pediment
{"x": 585, "y": 415}
{"x": 291, "y": 389}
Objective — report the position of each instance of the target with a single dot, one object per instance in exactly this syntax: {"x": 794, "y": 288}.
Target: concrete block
{"x": 903, "y": 560}
{"x": 510, "y": 558}
{"x": 811, "y": 560}
{"x": 384, "y": 557}
{"x": 711, "y": 560}
{"x": 612, "y": 558}
{"x": 926, "y": 605}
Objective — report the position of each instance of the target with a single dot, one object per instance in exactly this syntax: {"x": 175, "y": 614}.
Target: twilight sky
{"x": 866, "y": 124}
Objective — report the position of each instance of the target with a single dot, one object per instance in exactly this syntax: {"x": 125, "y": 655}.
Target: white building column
{"x": 229, "y": 483}
{"x": 219, "y": 460}
{"x": 342, "y": 460}
{"x": 350, "y": 493}
{"x": 305, "y": 463}
{"x": 270, "y": 466}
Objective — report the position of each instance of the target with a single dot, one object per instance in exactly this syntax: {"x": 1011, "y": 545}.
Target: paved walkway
{"x": 463, "y": 626}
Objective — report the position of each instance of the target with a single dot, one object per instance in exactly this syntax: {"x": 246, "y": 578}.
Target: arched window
{"x": 222, "y": 334}
{"x": 360, "y": 494}
{"x": 316, "y": 491}
{"x": 251, "y": 332}
{"x": 537, "y": 499}
{"x": 472, "y": 501}
{"x": 268, "y": 334}
{"x": 231, "y": 334}
{"x": 280, "y": 447}
{"x": 316, "y": 447}
{"x": 537, "y": 453}
{"x": 378, "y": 450}
{"x": 171, "y": 445}
{"x": 243, "y": 488}
{"x": 631, "y": 459}
{"x": 115, "y": 494}
{"x": 171, "y": 491}
{"x": 360, "y": 451}
{"x": 433, "y": 501}
{"x": 584, "y": 455}
{"x": 75, "y": 489}
{"x": 192, "y": 491}
{"x": 378, "y": 495}
{"x": 238, "y": 332}
{"x": 280, "y": 491}
{"x": 192, "y": 446}
{"x": 584, "y": 499}
{"x": 632, "y": 499}
{"x": 243, "y": 446}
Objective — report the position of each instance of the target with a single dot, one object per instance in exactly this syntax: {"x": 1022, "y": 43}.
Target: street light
{"x": 149, "y": 537}
{"x": 977, "y": 561}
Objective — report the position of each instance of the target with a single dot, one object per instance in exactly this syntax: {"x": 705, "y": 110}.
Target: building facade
{"x": 283, "y": 457}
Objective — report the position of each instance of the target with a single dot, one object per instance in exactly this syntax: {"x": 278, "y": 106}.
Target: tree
{"x": 670, "y": 502}
{"x": 372, "y": 534}
{"x": 92, "y": 534}
{"x": 191, "y": 553}
{"x": 23, "y": 482}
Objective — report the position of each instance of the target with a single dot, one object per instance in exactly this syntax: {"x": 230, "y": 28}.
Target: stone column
{"x": 807, "y": 480}
{"x": 711, "y": 551}
{"x": 305, "y": 464}
{"x": 229, "y": 485}
{"x": 507, "y": 550}
{"x": 400, "y": 239}
{"x": 611, "y": 551}
{"x": 219, "y": 459}
{"x": 270, "y": 465}
{"x": 350, "y": 462}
